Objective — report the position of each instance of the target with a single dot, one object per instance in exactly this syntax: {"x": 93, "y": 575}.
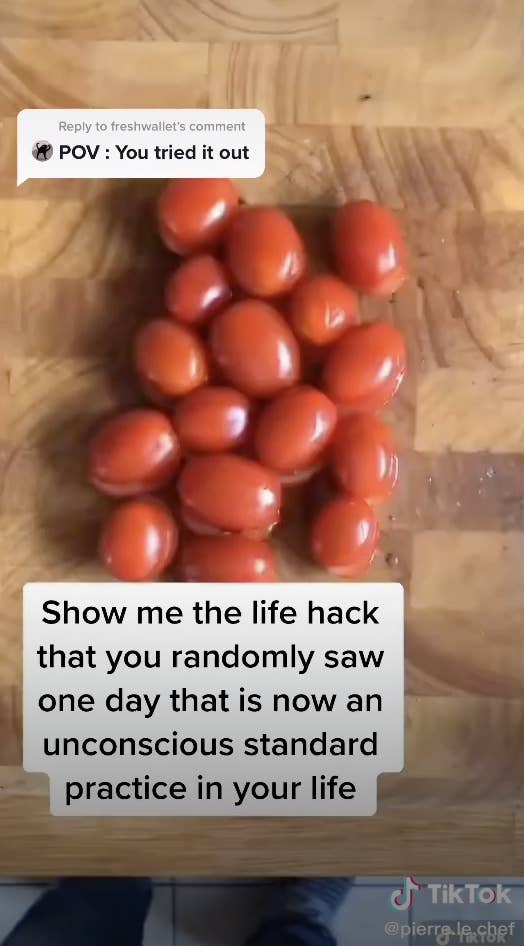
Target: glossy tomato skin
{"x": 369, "y": 248}
{"x": 229, "y": 492}
{"x": 363, "y": 458}
{"x": 364, "y": 370}
{"x": 321, "y": 308}
{"x": 264, "y": 251}
{"x": 132, "y": 453}
{"x": 198, "y": 289}
{"x": 344, "y": 536}
{"x": 294, "y": 430}
{"x": 169, "y": 358}
{"x": 138, "y": 539}
{"x": 212, "y": 419}
{"x": 254, "y": 348}
{"x": 193, "y": 214}
{"x": 227, "y": 558}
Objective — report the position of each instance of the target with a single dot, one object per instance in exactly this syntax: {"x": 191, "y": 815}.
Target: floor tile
{"x": 517, "y": 903}
{"x": 489, "y": 881}
{"x": 362, "y": 918}
{"x": 217, "y": 916}
{"x": 392, "y": 882}
{"x": 15, "y": 901}
{"x": 159, "y": 924}
{"x": 470, "y": 922}
{"x": 26, "y": 881}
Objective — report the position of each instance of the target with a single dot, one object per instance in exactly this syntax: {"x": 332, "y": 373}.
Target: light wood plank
{"x": 362, "y": 86}
{"x": 448, "y": 26}
{"x": 464, "y": 652}
{"x": 468, "y": 571}
{"x": 69, "y": 238}
{"x": 61, "y": 73}
{"x": 71, "y": 19}
{"x": 289, "y": 21}
{"x": 390, "y": 844}
{"x": 489, "y": 417}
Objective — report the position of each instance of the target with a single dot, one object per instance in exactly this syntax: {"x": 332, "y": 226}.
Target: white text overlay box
{"x": 140, "y": 143}
{"x": 213, "y": 699}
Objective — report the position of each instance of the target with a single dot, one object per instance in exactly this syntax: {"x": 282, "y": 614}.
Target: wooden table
{"x": 414, "y": 103}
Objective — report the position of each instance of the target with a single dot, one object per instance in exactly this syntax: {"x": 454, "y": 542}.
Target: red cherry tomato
{"x": 138, "y": 540}
{"x": 197, "y": 289}
{"x": 321, "y": 308}
{"x": 254, "y": 348}
{"x": 229, "y": 492}
{"x": 364, "y": 370}
{"x": 344, "y": 536}
{"x": 369, "y": 248}
{"x": 212, "y": 419}
{"x": 193, "y": 214}
{"x": 264, "y": 251}
{"x": 169, "y": 358}
{"x": 132, "y": 453}
{"x": 294, "y": 429}
{"x": 227, "y": 558}
{"x": 363, "y": 458}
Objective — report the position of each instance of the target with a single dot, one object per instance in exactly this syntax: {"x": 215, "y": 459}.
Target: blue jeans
{"x": 112, "y": 912}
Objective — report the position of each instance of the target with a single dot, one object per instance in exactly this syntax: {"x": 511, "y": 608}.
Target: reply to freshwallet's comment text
{"x": 140, "y": 143}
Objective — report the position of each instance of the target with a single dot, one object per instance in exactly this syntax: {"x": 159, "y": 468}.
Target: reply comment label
{"x": 213, "y": 699}
{"x": 140, "y": 143}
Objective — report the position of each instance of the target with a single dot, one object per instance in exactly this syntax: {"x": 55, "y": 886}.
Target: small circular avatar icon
{"x": 42, "y": 150}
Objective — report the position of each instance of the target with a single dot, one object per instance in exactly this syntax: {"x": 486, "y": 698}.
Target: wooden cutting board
{"x": 417, "y": 104}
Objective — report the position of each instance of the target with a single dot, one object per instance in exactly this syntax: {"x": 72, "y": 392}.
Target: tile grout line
{"x": 264, "y": 882}
{"x": 49, "y": 883}
{"x": 220, "y": 885}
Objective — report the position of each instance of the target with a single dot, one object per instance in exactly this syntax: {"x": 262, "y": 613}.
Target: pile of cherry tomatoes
{"x": 257, "y": 376}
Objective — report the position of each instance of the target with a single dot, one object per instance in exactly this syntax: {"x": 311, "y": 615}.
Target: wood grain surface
{"x": 415, "y": 103}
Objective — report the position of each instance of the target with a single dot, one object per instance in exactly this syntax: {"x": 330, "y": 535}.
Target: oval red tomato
{"x": 364, "y": 370}
{"x": 138, "y": 540}
{"x": 194, "y": 213}
{"x": 344, "y": 536}
{"x": 229, "y": 492}
{"x": 132, "y": 453}
{"x": 169, "y": 359}
{"x": 264, "y": 251}
{"x": 197, "y": 289}
{"x": 254, "y": 348}
{"x": 294, "y": 429}
{"x": 212, "y": 419}
{"x": 363, "y": 458}
{"x": 369, "y": 248}
{"x": 227, "y": 558}
{"x": 321, "y": 308}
